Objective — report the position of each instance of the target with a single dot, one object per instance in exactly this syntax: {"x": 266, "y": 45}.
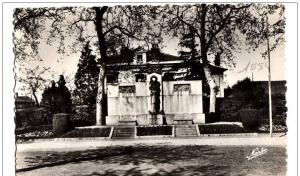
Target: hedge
{"x": 153, "y": 131}
{"x": 88, "y": 132}
{"x": 30, "y": 129}
{"x": 221, "y": 129}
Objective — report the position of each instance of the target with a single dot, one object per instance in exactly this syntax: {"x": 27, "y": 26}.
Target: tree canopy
{"x": 216, "y": 27}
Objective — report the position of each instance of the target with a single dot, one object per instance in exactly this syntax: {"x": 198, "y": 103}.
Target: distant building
{"x": 148, "y": 90}
{"x": 22, "y": 102}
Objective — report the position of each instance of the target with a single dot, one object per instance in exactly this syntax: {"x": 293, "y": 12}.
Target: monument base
{"x": 147, "y": 119}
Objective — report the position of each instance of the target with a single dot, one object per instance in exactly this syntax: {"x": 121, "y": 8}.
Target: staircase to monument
{"x": 123, "y": 132}
{"x": 185, "y": 131}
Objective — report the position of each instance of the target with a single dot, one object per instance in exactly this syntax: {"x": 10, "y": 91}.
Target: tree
{"x": 216, "y": 26}
{"x": 192, "y": 58}
{"x": 86, "y": 79}
{"x": 118, "y": 23}
{"x": 267, "y": 31}
{"x": 48, "y": 101}
{"x": 56, "y": 99}
{"x": 188, "y": 40}
{"x": 34, "y": 80}
{"x": 63, "y": 96}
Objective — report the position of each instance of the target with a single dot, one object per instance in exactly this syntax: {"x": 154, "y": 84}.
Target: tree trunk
{"x": 205, "y": 62}
{"x": 35, "y": 98}
{"x": 212, "y": 85}
{"x": 100, "y": 116}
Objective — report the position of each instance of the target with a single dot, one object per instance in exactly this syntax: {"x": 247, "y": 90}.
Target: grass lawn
{"x": 154, "y": 160}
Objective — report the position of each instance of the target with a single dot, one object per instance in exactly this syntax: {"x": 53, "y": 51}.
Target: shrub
{"x": 30, "y": 129}
{"x": 156, "y": 130}
{"x": 56, "y": 99}
{"x": 212, "y": 117}
{"x": 250, "y": 118}
{"x": 221, "y": 129}
{"x": 82, "y": 116}
{"x": 88, "y": 132}
{"x": 230, "y": 110}
{"x": 30, "y": 117}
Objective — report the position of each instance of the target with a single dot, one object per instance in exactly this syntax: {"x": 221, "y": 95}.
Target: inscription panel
{"x": 182, "y": 88}
{"x": 127, "y": 89}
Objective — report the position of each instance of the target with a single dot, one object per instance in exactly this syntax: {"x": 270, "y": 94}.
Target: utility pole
{"x": 269, "y": 82}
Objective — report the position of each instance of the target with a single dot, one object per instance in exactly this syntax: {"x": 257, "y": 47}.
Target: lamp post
{"x": 269, "y": 81}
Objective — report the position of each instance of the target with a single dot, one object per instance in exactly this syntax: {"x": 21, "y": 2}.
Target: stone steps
{"x": 183, "y": 122}
{"x": 123, "y": 133}
{"x": 185, "y": 131}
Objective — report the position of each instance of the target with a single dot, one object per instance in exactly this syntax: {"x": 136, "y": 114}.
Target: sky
{"x": 247, "y": 64}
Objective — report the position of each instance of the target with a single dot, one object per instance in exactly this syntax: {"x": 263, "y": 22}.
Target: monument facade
{"x": 140, "y": 93}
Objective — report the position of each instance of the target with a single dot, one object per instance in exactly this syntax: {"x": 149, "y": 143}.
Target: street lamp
{"x": 269, "y": 81}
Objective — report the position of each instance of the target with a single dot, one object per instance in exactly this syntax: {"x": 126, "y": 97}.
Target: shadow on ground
{"x": 161, "y": 160}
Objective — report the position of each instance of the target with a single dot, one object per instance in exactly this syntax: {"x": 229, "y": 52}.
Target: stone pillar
{"x": 61, "y": 123}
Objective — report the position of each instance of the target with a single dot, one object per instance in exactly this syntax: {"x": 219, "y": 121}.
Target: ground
{"x": 153, "y": 160}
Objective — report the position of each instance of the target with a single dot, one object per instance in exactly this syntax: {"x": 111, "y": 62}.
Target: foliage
{"x": 221, "y": 129}
{"x": 276, "y": 128}
{"x": 154, "y": 54}
{"x": 33, "y": 132}
{"x": 82, "y": 116}
{"x": 212, "y": 117}
{"x": 87, "y": 132}
{"x": 245, "y": 94}
{"x": 267, "y": 23}
{"x": 192, "y": 59}
{"x": 252, "y": 95}
{"x": 34, "y": 80}
{"x": 250, "y": 118}
{"x": 113, "y": 26}
{"x": 48, "y": 102}
{"x": 32, "y": 129}
{"x": 215, "y": 26}
{"x": 56, "y": 99}
{"x": 188, "y": 40}
{"x": 63, "y": 96}
{"x": 30, "y": 117}
{"x": 219, "y": 29}
{"x": 156, "y": 130}
{"x": 86, "y": 79}
{"x": 229, "y": 109}
{"x": 34, "y": 135}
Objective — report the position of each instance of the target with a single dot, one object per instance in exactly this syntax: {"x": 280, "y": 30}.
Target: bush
{"x": 230, "y": 110}
{"x": 88, "y": 132}
{"x": 276, "y": 129}
{"x": 152, "y": 131}
{"x": 32, "y": 129}
{"x": 221, "y": 129}
{"x": 82, "y": 116}
{"x": 212, "y": 117}
{"x": 250, "y": 118}
{"x": 30, "y": 117}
